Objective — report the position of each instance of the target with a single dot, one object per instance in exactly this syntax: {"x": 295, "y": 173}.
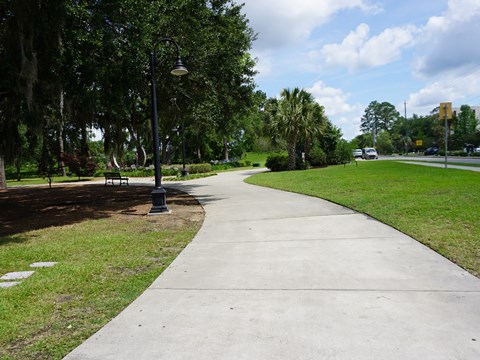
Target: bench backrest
{"x": 114, "y": 175}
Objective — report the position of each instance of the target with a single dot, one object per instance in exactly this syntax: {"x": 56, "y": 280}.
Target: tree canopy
{"x": 383, "y": 127}
{"x": 378, "y": 117}
{"x": 295, "y": 116}
{"x": 75, "y": 65}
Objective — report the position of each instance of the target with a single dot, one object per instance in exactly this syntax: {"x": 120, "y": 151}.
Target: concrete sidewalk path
{"x": 276, "y": 275}
{"x": 442, "y": 165}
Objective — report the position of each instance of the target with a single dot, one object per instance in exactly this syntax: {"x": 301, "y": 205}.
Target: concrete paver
{"x": 8, "y": 284}
{"x": 17, "y": 275}
{"x": 276, "y": 275}
{"x": 42, "y": 264}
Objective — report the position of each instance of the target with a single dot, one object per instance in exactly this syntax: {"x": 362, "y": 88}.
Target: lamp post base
{"x": 159, "y": 202}
{"x": 184, "y": 172}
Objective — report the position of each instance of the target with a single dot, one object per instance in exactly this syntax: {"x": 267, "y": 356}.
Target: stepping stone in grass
{"x": 18, "y": 275}
{"x": 8, "y": 284}
{"x": 43, "y": 264}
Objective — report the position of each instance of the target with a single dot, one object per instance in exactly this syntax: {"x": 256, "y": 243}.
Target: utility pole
{"x": 446, "y": 136}
{"x": 406, "y": 128}
{"x": 446, "y": 113}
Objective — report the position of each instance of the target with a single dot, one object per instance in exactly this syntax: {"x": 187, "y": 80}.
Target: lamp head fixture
{"x": 179, "y": 69}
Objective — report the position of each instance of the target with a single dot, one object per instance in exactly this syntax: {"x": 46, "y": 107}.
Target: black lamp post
{"x": 159, "y": 200}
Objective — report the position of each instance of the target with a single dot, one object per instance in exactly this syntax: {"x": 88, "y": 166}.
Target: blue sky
{"x": 348, "y": 53}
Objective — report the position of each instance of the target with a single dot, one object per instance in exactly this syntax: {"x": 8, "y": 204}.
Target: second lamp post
{"x": 159, "y": 199}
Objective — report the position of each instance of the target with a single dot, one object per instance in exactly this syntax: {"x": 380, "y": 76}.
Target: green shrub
{"x": 223, "y": 166}
{"x": 343, "y": 152}
{"x": 301, "y": 164}
{"x": 144, "y": 172}
{"x": 458, "y": 153}
{"x": 453, "y": 153}
{"x": 171, "y": 170}
{"x": 199, "y": 168}
{"x": 277, "y": 162}
{"x": 27, "y": 171}
{"x": 231, "y": 164}
{"x": 317, "y": 157}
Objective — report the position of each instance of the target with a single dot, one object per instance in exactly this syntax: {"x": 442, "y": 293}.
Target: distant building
{"x": 476, "y": 110}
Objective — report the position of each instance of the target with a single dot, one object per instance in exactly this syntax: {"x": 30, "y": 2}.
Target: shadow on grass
{"x": 25, "y": 209}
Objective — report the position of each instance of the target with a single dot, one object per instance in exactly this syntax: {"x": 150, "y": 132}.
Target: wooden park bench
{"x": 112, "y": 176}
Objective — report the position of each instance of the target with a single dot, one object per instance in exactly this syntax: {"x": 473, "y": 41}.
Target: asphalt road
{"x": 441, "y": 159}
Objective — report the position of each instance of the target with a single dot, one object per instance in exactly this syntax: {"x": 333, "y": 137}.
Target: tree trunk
{"x": 61, "y": 152}
{"x": 28, "y": 72}
{"x": 199, "y": 154}
{"x": 291, "y": 153}
{"x": 19, "y": 173}
{"x": 3, "y": 180}
{"x": 225, "y": 149}
{"x": 306, "y": 148}
{"x": 199, "y": 149}
{"x": 84, "y": 140}
{"x": 61, "y": 147}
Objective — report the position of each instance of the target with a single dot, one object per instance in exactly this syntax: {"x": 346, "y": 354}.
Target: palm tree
{"x": 314, "y": 124}
{"x": 296, "y": 116}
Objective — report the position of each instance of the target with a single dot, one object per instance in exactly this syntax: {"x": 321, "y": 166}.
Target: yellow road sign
{"x": 419, "y": 142}
{"x": 445, "y": 110}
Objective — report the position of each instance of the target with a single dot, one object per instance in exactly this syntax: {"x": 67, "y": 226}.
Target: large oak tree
{"x": 73, "y": 65}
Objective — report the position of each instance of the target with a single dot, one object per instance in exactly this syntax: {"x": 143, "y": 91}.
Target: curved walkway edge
{"x": 277, "y": 275}
{"x": 440, "y": 165}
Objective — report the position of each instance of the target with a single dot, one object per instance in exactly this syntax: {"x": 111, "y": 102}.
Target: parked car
{"x": 357, "y": 153}
{"x": 431, "y": 151}
{"x": 369, "y": 153}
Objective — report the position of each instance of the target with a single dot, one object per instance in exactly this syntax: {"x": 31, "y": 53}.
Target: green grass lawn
{"x": 257, "y": 158}
{"x": 44, "y": 181}
{"x": 103, "y": 265}
{"x": 437, "y": 207}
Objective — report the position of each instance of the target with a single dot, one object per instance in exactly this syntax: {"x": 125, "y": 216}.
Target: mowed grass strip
{"x": 103, "y": 265}
{"x": 44, "y": 181}
{"x": 438, "y": 207}
{"x": 257, "y": 158}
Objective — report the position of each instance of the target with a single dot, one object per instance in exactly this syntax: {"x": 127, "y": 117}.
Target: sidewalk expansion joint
{"x": 385, "y": 238}
{"x": 352, "y": 212}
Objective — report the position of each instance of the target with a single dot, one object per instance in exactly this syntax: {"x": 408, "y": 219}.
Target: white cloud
{"x": 350, "y": 125}
{"x": 342, "y": 114}
{"x": 284, "y": 22}
{"x": 454, "y": 86}
{"x": 263, "y": 63}
{"x": 359, "y": 51}
{"x": 448, "y": 56}
{"x": 334, "y": 100}
{"x": 448, "y": 42}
